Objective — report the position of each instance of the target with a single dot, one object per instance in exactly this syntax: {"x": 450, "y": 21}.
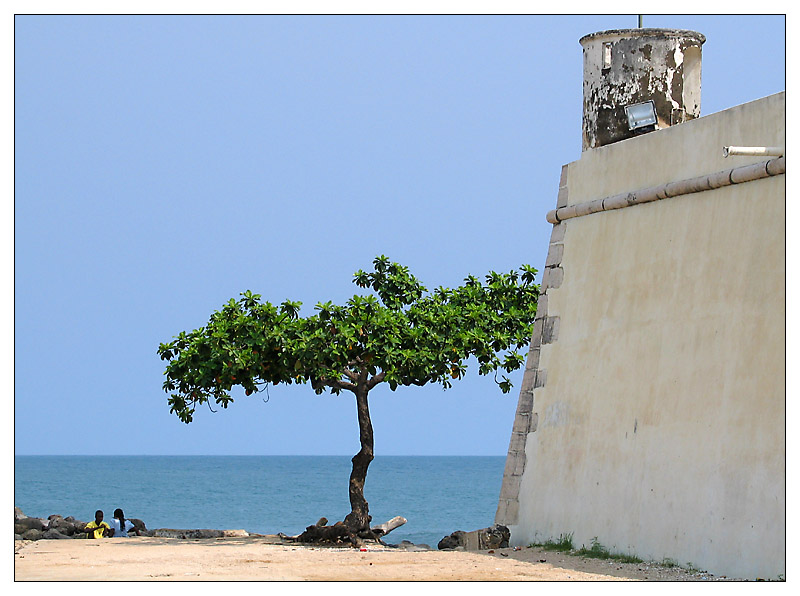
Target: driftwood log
{"x": 386, "y": 527}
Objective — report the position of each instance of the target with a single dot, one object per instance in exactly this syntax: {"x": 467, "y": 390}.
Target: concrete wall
{"x": 628, "y": 66}
{"x": 652, "y": 411}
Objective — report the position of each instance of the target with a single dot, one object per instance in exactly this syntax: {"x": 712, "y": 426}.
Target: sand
{"x": 266, "y": 559}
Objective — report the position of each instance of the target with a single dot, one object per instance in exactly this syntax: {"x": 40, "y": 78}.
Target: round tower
{"x": 638, "y": 80}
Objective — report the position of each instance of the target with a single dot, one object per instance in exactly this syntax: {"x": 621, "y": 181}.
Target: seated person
{"x": 121, "y": 526}
{"x": 97, "y": 528}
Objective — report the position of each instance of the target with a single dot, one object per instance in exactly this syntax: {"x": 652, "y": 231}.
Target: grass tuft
{"x": 563, "y": 544}
{"x": 598, "y": 551}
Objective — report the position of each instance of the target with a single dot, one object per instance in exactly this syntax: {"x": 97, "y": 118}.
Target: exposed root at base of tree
{"x": 340, "y": 533}
{"x": 337, "y": 534}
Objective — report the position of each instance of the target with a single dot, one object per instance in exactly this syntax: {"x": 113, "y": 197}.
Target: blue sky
{"x": 163, "y": 164}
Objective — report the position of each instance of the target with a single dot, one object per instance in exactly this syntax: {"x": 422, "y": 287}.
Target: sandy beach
{"x": 267, "y": 559}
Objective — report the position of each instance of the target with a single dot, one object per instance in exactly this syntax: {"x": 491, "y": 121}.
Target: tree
{"x": 404, "y": 336}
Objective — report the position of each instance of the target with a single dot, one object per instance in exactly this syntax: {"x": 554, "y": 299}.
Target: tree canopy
{"x": 403, "y": 335}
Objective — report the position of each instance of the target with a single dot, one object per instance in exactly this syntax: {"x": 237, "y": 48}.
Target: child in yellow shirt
{"x": 97, "y": 528}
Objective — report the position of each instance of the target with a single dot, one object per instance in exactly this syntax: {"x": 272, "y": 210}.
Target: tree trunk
{"x": 356, "y": 524}
{"x": 358, "y": 519}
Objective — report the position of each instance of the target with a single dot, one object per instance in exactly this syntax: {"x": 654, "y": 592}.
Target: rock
{"x": 235, "y": 533}
{"x": 186, "y": 534}
{"x": 18, "y": 515}
{"x": 54, "y": 534}
{"x": 138, "y": 524}
{"x": 32, "y": 534}
{"x": 495, "y": 537}
{"x": 17, "y": 536}
{"x": 32, "y": 523}
{"x": 487, "y": 538}
{"x": 63, "y": 526}
{"x": 70, "y": 519}
{"x": 452, "y": 541}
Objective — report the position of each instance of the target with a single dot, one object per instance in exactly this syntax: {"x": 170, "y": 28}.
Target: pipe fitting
{"x": 753, "y": 151}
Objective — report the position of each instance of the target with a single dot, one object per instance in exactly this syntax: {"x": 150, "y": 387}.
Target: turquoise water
{"x": 263, "y": 494}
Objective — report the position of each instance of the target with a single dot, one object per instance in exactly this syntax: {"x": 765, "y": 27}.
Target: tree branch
{"x": 376, "y": 379}
{"x": 334, "y": 383}
{"x": 346, "y": 385}
{"x": 342, "y": 385}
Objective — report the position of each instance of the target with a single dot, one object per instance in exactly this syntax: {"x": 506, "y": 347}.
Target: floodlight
{"x": 641, "y": 115}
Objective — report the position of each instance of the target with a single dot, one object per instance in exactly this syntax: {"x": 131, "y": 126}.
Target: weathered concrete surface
{"x": 629, "y": 66}
{"x": 661, "y": 425}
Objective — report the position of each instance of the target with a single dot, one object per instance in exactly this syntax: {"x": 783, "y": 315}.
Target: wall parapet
{"x": 739, "y": 175}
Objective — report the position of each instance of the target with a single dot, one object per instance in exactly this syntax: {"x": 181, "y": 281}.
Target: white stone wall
{"x": 656, "y": 380}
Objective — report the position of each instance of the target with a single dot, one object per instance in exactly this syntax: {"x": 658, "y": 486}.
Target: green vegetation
{"x": 598, "y": 551}
{"x": 401, "y": 334}
{"x": 563, "y": 544}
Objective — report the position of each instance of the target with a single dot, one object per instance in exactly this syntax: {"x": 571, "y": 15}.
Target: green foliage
{"x": 402, "y": 335}
{"x": 598, "y": 551}
{"x": 563, "y": 544}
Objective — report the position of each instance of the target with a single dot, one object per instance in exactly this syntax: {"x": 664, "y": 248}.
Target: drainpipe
{"x": 775, "y": 151}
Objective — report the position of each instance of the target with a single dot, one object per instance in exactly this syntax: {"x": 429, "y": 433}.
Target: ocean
{"x": 264, "y": 494}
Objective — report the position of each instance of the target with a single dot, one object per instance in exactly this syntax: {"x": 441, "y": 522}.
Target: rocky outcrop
{"x": 139, "y": 525}
{"x": 55, "y": 527}
{"x": 452, "y": 541}
{"x": 30, "y": 535}
{"x": 196, "y": 534}
{"x": 30, "y": 523}
{"x": 496, "y": 536}
{"x": 186, "y": 534}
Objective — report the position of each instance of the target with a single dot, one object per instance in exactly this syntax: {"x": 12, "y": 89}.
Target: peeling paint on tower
{"x": 628, "y": 66}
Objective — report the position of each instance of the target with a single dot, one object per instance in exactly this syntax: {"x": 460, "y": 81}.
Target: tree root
{"x": 341, "y": 533}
